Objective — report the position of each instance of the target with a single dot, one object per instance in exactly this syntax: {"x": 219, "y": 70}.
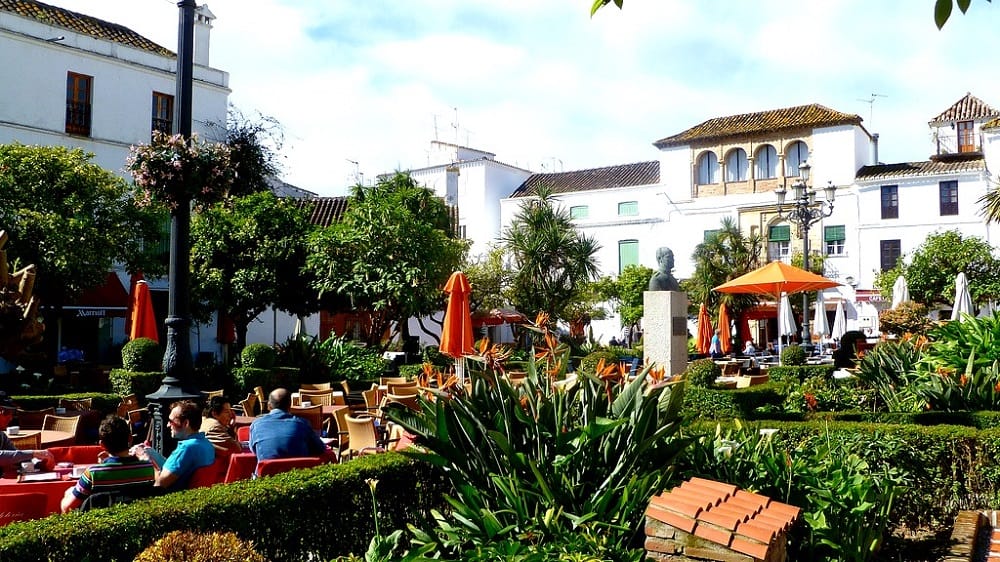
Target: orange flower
{"x": 996, "y": 387}
{"x": 962, "y": 380}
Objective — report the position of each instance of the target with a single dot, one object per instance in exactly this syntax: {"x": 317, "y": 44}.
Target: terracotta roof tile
{"x": 746, "y": 523}
{"x": 969, "y": 108}
{"x": 323, "y": 211}
{"x": 609, "y": 177}
{"x": 84, "y": 24}
{"x": 774, "y": 120}
{"x": 925, "y": 168}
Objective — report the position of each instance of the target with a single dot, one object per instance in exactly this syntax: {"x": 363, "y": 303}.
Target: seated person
{"x": 748, "y": 349}
{"x": 217, "y": 422}
{"x": 118, "y": 469}
{"x": 193, "y": 450}
{"x": 10, "y": 456}
{"x": 278, "y": 434}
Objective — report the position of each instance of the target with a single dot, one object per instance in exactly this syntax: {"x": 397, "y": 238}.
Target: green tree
{"x": 247, "y": 254}
{"x": 930, "y": 272}
{"x": 490, "y": 280}
{"x": 254, "y": 150}
{"x": 72, "y": 219}
{"x": 625, "y": 292}
{"x": 390, "y": 255}
{"x": 551, "y": 260}
{"x": 725, "y": 255}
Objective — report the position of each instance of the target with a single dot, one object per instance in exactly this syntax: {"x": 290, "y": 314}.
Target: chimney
{"x": 203, "y": 18}
{"x": 874, "y": 149}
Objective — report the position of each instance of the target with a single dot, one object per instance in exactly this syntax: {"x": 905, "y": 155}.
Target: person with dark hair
{"x": 844, "y": 355}
{"x": 118, "y": 470}
{"x": 217, "y": 425}
{"x": 193, "y": 450}
{"x": 279, "y": 434}
{"x": 10, "y": 456}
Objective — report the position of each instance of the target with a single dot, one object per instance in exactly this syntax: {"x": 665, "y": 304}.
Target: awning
{"x": 109, "y": 299}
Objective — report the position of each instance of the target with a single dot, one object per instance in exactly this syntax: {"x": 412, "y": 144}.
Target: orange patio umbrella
{"x": 456, "y": 335}
{"x": 142, "y": 320}
{"x": 704, "y": 340}
{"x": 776, "y": 278}
{"x": 725, "y": 329}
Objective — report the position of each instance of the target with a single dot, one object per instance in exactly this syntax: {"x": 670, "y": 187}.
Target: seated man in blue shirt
{"x": 193, "y": 449}
{"x": 279, "y": 434}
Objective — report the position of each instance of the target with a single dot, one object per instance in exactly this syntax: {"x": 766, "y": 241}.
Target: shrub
{"x": 702, "y": 373}
{"x": 793, "y": 355}
{"x": 246, "y": 379}
{"x": 907, "y": 318}
{"x": 588, "y": 365}
{"x": 737, "y": 403}
{"x": 125, "y": 382}
{"x": 142, "y": 355}
{"x": 349, "y": 361}
{"x": 431, "y": 354}
{"x": 305, "y": 353}
{"x": 258, "y": 356}
{"x": 890, "y": 368}
{"x": 203, "y": 547}
{"x": 797, "y": 374}
{"x": 411, "y": 372}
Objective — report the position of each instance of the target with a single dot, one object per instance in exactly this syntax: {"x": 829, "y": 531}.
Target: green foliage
{"x": 72, "y": 219}
{"x": 702, "y": 373}
{"x": 258, "y": 356}
{"x": 625, "y": 292}
{"x": 490, "y": 280}
{"x": 546, "y": 460}
{"x": 722, "y": 256}
{"x": 173, "y": 170}
{"x": 796, "y": 374}
{"x": 254, "y": 147}
{"x": 125, "y": 382}
{"x": 247, "y": 254}
{"x": 825, "y": 394}
{"x": 349, "y": 361}
{"x": 741, "y": 403}
{"x": 890, "y": 368}
{"x": 411, "y": 372}
{"x": 246, "y": 379}
{"x": 432, "y": 354}
{"x": 203, "y": 547}
{"x": 142, "y": 355}
{"x": 907, "y": 318}
{"x": 793, "y": 356}
{"x": 588, "y": 365}
{"x": 99, "y": 401}
{"x": 552, "y": 261}
{"x": 390, "y": 254}
{"x": 931, "y": 269}
{"x": 287, "y": 516}
{"x": 307, "y": 355}
{"x": 960, "y": 368}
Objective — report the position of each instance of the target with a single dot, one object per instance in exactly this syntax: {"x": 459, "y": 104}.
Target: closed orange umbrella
{"x": 725, "y": 329}
{"x": 456, "y": 335}
{"x": 704, "y": 340}
{"x": 143, "y": 319}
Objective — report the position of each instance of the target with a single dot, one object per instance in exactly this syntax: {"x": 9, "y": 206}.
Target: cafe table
{"x": 48, "y": 483}
{"x": 50, "y": 437}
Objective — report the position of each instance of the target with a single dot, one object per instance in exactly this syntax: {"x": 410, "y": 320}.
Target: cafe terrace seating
{"x": 362, "y": 437}
{"x": 77, "y": 454}
{"x": 21, "y": 507}
{"x": 69, "y": 424}
{"x": 307, "y": 387}
{"x": 270, "y": 467}
{"x": 32, "y": 419}
{"x": 27, "y": 441}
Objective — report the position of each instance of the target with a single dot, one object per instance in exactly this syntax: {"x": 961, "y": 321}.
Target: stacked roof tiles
{"x": 707, "y": 520}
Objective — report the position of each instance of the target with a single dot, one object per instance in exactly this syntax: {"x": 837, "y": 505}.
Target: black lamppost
{"x": 177, "y": 363}
{"x": 805, "y": 211}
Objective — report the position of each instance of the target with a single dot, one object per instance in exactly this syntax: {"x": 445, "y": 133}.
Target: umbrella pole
{"x": 460, "y": 370}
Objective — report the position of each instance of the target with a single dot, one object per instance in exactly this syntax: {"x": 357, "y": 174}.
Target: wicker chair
{"x": 363, "y": 439}
{"x": 69, "y": 424}
{"x": 312, "y": 414}
{"x": 32, "y": 419}
{"x": 128, "y": 403}
{"x": 27, "y": 441}
{"x": 249, "y": 405}
{"x": 314, "y": 386}
{"x": 323, "y": 397}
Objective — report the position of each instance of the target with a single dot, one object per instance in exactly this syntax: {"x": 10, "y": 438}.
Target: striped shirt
{"x": 114, "y": 473}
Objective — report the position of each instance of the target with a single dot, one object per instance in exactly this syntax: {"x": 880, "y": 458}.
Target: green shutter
{"x": 834, "y": 233}
{"x": 780, "y": 233}
{"x": 628, "y": 209}
{"x": 628, "y": 254}
{"x": 579, "y": 212}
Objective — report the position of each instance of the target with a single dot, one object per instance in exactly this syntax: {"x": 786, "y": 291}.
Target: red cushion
{"x": 241, "y": 467}
{"x": 77, "y": 454}
{"x": 211, "y": 474}
{"x": 22, "y": 507}
{"x": 277, "y": 466}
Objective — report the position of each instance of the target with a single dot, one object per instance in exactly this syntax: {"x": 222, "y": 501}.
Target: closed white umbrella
{"x": 839, "y": 322}
{"x": 963, "y": 301}
{"x": 786, "y": 320}
{"x": 820, "y": 326}
{"x": 900, "y": 292}
{"x": 300, "y": 327}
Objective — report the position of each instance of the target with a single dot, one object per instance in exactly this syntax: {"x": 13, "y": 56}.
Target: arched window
{"x": 708, "y": 168}
{"x": 797, "y": 154}
{"x": 766, "y": 163}
{"x": 736, "y": 165}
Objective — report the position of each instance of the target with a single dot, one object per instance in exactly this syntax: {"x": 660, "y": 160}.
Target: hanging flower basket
{"x": 169, "y": 170}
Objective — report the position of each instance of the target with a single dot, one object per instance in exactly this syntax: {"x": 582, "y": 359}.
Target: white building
{"x": 78, "y": 81}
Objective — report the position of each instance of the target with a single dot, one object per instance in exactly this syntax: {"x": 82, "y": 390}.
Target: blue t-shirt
{"x": 278, "y": 435}
{"x": 190, "y": 455}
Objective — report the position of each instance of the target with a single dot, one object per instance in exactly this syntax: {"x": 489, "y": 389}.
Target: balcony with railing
{"x": 964, "y": 143}
{"x": 78, "y": 118}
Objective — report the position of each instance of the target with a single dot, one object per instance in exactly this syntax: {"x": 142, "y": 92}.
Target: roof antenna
{"x": 454, "y": 124}
{"x": 871, "y": 107}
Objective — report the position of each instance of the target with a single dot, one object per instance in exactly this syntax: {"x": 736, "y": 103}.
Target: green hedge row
{"x": 315, "y": 514}
{"x": 950, "y": 467}
{"x": 125, "y": 382}
{"x": 800, "y": 373}
{"x": 106, "y": 403}
{"x": 736, "y": 403}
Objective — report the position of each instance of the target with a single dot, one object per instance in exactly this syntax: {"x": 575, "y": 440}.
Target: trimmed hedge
{"x": 314, "y": 514}
{"x": 124, "y": 382}
{"x": 142, "y": 354}
{"x": 105, "y": 403}
{"x": 737, "y": 403}
{"x": 799, "y": 374}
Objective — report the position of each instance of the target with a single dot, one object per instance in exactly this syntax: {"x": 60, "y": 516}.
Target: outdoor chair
{"x": 270, "y": 467}
{"x": 81, "y": 405}
{"x": 312, "y": 414}
{"x": 210, "y": 475}
{"x": 342, "y": 436}
{"x": 108, "y": 496}
{"x": 33, "y": 419}
{"x": 241, "y": 467}
{"x": 384, "y": 381}
{"x": 243, "y": 433}
{"x": 26, "y": 442}
{"x": 22, "y": 507}
{"x": 372, "y": 402}
{"x": 207, "y": 395}
{"x": 69, "y": 424}
{"x": 248, "y": 406}
{"x": 138, "y": 421}
{"x": 76, "y": 454}
{"x": 323, "y": 397}
{"x": 314, "y": 386}
{"x": 362, "y": 437}
{"x": 261, "y": 399}
{"x": 128, "y": 403}
{"x": 406, "y": 400}
{"x": 405, "y": 388}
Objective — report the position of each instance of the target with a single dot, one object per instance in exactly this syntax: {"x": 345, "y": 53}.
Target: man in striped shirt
{"x": 118, "y": 469}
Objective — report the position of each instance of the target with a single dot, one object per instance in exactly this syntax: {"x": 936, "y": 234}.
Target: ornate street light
{"x": 804, "y": 212}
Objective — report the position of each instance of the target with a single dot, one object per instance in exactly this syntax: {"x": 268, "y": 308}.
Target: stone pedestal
{"x": 664, "y": 330}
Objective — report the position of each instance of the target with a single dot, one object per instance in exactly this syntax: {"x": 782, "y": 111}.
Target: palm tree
{"x": 724, "y": 255}
{"x": 552, "y": 262}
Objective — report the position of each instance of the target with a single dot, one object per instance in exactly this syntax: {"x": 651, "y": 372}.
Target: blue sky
{"x": 547, "y": 88}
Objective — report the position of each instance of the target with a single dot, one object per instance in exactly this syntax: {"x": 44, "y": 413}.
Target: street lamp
{"x": 804, "y": 212}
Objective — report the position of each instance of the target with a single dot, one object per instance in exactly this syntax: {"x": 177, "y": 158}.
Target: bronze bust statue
{"x": 663, "y": 280}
